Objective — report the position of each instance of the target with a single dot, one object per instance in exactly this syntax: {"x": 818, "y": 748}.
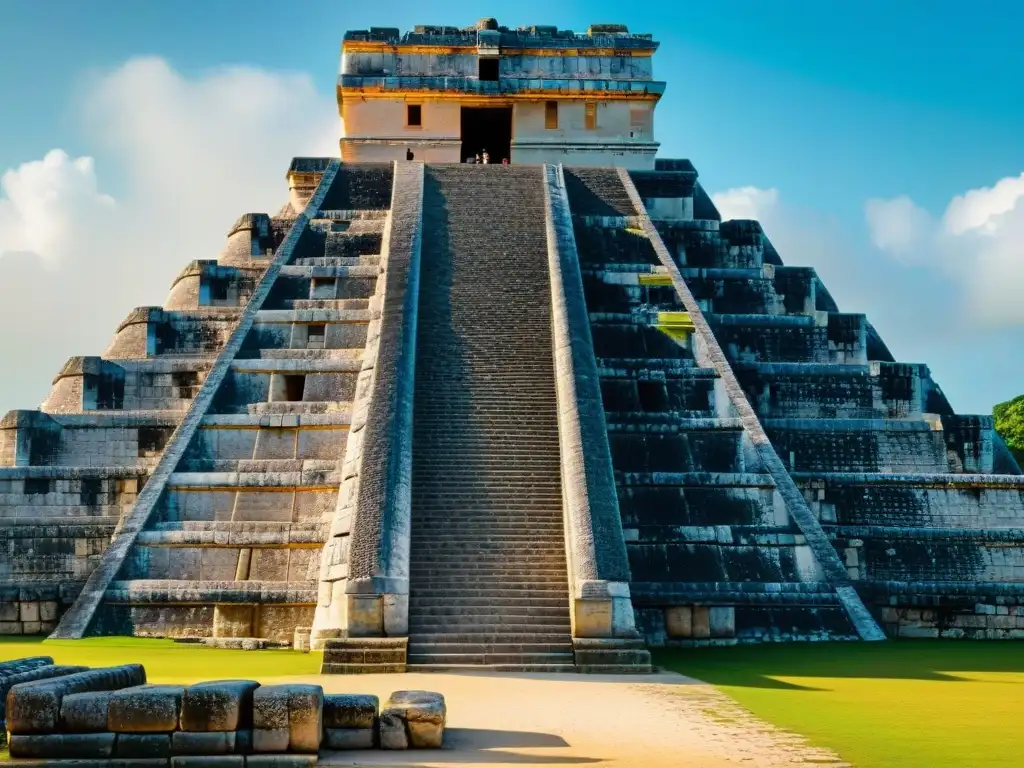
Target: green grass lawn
{"x": 166, "y": 661}
{"x": 902, "y": 704}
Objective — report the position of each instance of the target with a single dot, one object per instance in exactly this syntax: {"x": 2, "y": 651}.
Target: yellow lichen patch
{"x": 676, "y": 325}
{"x": 658, "y": 279}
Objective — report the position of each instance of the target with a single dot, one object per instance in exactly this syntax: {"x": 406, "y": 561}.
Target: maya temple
{"x": 543, "y": 413}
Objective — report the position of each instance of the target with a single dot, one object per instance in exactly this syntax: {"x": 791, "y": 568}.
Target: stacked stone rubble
{"x": 112, "y": 715}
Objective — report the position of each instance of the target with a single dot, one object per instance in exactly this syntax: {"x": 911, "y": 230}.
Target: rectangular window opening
{"x": 590, "y": 116}
{"x": 36, "y": 487}
{"x": 551, "y": 115}
{"x": 315, "y": 335}
{"x": 489, "y": 70}
{"x": 414, "y": 115}
{"x": 218, "y": 290}
{"x": 294, "y": 388}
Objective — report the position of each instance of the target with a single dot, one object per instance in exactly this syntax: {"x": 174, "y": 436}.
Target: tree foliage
{"x": 1009, "y": 418}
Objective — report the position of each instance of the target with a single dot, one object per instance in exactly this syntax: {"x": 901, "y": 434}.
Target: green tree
{"x": 1010, "y": 425}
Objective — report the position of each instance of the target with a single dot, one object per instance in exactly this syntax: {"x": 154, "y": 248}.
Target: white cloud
{"x": 978, "y": 245}
{"x": 897, "y": 226}
{"x": 193, "y": 154}
{"x": 45, "y": 205}
{"x": 746, "y": 203}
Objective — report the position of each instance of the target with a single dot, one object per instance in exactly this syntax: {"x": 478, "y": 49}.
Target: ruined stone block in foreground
{"x": 413, "y": 719}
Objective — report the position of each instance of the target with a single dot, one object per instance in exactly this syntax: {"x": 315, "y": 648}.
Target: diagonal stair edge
{"x": 796, "y": 505}
{"x": 596, "y": 547}
{"x": 75, "y": 622}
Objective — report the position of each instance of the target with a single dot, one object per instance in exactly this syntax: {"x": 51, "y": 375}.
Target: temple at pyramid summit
{"x": 540, "y": 411}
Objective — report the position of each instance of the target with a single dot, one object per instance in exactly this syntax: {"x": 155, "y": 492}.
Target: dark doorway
{"x": 487, "y": 128}
{"x": 489, "y": 70}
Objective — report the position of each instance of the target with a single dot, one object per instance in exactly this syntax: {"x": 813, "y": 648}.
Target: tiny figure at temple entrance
{"x": 408, "y": 153}
{"x": 487, "y": 157}
{"x": 504, "y": 161}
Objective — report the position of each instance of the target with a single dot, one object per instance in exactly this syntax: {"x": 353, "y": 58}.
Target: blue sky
{"x": 813, "y": 107}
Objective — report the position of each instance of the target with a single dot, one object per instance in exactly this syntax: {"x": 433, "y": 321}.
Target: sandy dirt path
{"x": 663, "y": 720}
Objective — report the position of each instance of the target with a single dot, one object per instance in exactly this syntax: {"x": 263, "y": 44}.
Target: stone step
{"x": 454, "y": 618}
{"x": 486, "y": 659}
{"x": 426, "y": 626}
{"x": 515, "y": 638}
{"x": 434, "y": 666}
{"x": 431, "y": 647}
{"x": 455, "y": 605}
{"x": 534, "y": 595}
{"x": 456, "y": 574}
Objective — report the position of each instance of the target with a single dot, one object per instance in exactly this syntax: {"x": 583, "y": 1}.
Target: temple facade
{"x": 528, "y": 95}
{"x": 536, "y": 416}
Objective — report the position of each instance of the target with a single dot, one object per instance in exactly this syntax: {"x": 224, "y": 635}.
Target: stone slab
{"x": 349, "y": 738}
{"x": 85, "y": 712}
{"x": 349, "y": 710}
{"x": 145, "y": 709}
{"x": 35, "y": 707}
{"x": 211, "y": 742}
{"x": 143, "y": 745}
{"x": 223, "y": 705}
{"x": 62, "y": 745}
{"x": 297, "y": 708}
{"x": 421, "y": 716}
{"x": 208, "y": 761}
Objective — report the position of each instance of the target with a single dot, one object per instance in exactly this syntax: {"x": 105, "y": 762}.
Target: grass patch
{"x": 166, "y": 661}
{"x": 899, "y": 704}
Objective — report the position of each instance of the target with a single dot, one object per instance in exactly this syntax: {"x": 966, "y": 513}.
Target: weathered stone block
{"x": 145, "y": 709}
{"x": 29, "y": 612}
{"x": 392, "y": 732}
{"x": 35, "y": 707}
{"x": 208, "y": 761}
{"x": 49, "y": 610}
{"x": 223, "y": 705}
{"x": 296, "y": 709}
{"x": 85, "y": 712}
{"x": 722, "y": 621}
{"x": 62, "y": 745}
{"x": 280, "y": 761}
{"x": 143, "y": 745}
{"x": 347, "y": 710}
{"x": 232, "y": 621}
{"x": 679, "y": 621}
{"x": 701, "y": 622}
{"x": 422, "y": 716}
{"x": 352, "y": 738}
{"x": 211, "y": 742}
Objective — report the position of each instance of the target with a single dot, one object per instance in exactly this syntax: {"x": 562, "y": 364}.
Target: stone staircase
{"x": 489, "y": 586}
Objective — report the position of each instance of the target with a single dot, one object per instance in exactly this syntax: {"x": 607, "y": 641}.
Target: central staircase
{"x": 489, "y": 586}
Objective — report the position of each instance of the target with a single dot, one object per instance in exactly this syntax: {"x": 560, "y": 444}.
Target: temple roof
{"x": 597, "y": 36}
